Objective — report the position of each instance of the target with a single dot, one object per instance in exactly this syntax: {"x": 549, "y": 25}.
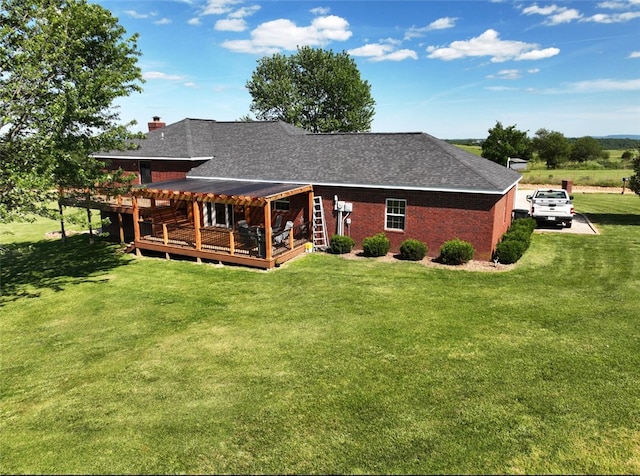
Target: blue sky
{"x": 448, "y": 68}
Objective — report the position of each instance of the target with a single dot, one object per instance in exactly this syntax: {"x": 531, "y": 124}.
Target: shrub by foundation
{"x": 515, "y": 241}
{"x": 377, "y": 245}
{"x": 340, "y": 244}
{"x": 413, "y": 250}
{"x": 456, "y": 251}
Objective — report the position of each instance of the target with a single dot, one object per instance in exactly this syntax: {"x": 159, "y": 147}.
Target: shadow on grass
{"x": 614, "y": 218}
{"x": 28, "y": 267}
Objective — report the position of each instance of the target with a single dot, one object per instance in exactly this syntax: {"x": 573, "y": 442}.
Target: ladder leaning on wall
{"x": 320, "y": 240}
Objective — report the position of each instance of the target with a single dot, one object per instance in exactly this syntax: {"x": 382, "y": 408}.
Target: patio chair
{"x": 277, "y": 225}
{"x": 280, "y": 237}
{"x": 247, "y": 238}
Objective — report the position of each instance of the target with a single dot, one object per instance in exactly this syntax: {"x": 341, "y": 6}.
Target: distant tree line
{"x": 605, "y": 143}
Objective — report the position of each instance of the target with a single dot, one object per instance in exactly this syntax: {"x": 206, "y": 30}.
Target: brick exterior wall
{"x": 431, "y": 217}
{"x": 161, "y": 170}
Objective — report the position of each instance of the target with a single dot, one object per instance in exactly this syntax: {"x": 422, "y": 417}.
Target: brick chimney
{"x": 156, "y": 124}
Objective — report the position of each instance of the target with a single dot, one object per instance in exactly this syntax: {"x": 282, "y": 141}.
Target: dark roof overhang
{"x": 220, "y": 191}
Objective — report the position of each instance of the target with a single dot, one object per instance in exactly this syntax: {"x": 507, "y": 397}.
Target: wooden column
{"x": 136, "y": 218}
{"x": 310, "y": 216}
{"x": 121, "y": 227}
{"x": 267, "y": 231}
{"x": 196, "y": 224}
{"x": 136, "y": 222}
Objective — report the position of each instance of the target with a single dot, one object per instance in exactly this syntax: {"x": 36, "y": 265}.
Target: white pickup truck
{"x": 552, "y": 206}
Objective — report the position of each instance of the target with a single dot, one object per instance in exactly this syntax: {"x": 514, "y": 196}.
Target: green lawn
{"x": 111, "y": 364}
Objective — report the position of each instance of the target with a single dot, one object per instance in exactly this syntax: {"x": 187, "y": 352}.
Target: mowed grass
{"x": 111, "y": 364}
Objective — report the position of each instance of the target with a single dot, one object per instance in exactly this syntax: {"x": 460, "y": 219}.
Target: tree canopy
{"x": 318, "y": 90}
{"x": 63, "y": 64}
{"x": 504, "y": 143}
{"x": 587, "y": 148}
{"x": 552, "y": 147}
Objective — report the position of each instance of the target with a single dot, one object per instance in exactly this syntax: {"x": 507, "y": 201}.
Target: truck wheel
{"x": 567, "y": 224}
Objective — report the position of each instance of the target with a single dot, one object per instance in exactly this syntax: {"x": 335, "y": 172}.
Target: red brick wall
{"x": 161, "y": 170}
{"x": 431, "y": 217}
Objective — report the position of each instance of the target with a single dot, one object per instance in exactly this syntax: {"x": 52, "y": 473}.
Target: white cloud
{"x": 231, "y": 24}
{"x": 219, "y": 7}
{"x": 604, "y": 85}
{"x": 439, "y": 24}
{"x": 276, "y": 35}
{"x": 137, "y": 15}
{"x": 634, "y": 54}
{"x": 533, "y": 70}
{"x": 489, "y": 44}
{"x": 163, "y": 21}
{"x": 244, "y": 11}
{"x": 190, "y": 84}
{"x": 555, "y": 15}
{"x": 383, "y": 52}
{"x": 320, "y": 10}
{"x": 162, "y": 76}
{"x": 194, "y": 21}
{"x": 507, "y": 74}
{"x": 613, "y": 18}
{"x": 619, "y": 4}
{"x": 536, "y": 10}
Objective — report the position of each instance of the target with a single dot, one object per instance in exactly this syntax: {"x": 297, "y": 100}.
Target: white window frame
{"x": 211, "y": 218}
{"x": 282, "y": 204}
{"x": 393, "y": 214}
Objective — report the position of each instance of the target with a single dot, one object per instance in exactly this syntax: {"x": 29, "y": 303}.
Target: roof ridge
{"x": 189, "y": 138}
{"x": 460, "y": 155}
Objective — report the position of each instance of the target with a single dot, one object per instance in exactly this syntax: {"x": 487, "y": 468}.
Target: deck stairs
{"x": 320, "y": 240}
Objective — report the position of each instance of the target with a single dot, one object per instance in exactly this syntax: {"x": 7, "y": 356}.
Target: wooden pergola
{"x": 215, "y": 243}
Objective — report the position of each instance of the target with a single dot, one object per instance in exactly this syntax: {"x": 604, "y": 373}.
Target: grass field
{"x": 600, "y": 177}
{"x": 112, "y": 364}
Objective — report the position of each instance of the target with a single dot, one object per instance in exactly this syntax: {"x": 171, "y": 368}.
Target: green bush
{"x": 340, "y": 244}
{"x": 413, "y": 250}
{"x": 515, "y": 241}
{"x": 518, "y": 234}
{"x": 377, "y": 245}
{"x": 456, "y": 251}
{"x": 510, "y": 251}
{"x": 528, "y": 224}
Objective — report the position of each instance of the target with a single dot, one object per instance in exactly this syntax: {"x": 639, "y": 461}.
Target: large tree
{"x": 63, "y": 63}
{"x": 318, "y": 90}
{"x": 504, "y": 143}
{"x": 552, "y": 147}
{"x": 587, "y": 148}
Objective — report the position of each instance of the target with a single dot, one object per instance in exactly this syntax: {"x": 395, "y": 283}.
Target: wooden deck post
{"x": 165, "y": 234}
{"x": 267, "y": 231}
{"x": 232, "y": 244}
{"x": 196, "y": 224}
{"x": 310, "y": 216}
{"x": 136, "y": 218}
{"x": 121, "y": 227}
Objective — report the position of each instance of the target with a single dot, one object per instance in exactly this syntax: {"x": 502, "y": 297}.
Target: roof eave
{"x": 384, "y": 187}
{"x": 133, "y": 157}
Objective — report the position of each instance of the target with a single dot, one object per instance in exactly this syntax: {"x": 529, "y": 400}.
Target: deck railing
{"x": 222, "y": 239}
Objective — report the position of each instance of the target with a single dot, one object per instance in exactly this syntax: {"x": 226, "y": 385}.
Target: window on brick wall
{"x": 395, "y": 214}
{"x": 145, "y": 171}
{"x": 282, "y": 204}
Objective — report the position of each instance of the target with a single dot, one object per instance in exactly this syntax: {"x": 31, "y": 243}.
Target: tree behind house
{"x": 502, "y": 144}
{"x": 318, "y": 90}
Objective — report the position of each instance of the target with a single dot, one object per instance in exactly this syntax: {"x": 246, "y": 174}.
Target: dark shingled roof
{"x": 279, "y": 152}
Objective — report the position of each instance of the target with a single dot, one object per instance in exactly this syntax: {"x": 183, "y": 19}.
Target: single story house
{"x": 220, "y": 177}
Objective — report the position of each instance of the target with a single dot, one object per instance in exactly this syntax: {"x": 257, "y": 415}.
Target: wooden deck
{"x": 221, "y": 244}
